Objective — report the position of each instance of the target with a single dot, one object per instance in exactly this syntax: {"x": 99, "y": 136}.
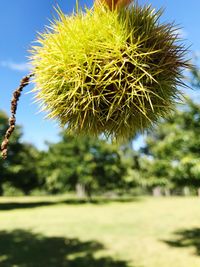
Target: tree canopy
{"x": 173, "y": 148}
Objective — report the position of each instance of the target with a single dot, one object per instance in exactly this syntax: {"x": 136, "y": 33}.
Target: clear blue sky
{"x": 20, "y": 20}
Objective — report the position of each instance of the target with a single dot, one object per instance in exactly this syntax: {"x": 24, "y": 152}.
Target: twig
{"x": 14, "y": 102}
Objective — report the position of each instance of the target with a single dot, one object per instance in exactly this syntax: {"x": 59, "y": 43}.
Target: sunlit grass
{"x": 137, "y": 232}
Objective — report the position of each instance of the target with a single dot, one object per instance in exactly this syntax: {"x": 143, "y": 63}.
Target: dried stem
{"x": 113, "y": 4}
{"x": 14, "y": 102}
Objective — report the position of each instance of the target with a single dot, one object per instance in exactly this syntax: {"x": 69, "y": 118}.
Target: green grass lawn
{"x": 56, "y": 232}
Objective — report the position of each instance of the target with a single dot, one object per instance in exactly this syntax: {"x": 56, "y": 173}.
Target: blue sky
{"x": 20, "y": 20}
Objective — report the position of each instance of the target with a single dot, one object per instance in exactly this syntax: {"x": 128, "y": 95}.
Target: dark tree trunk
{"x": 198, "y": 192}
{"x": 1, "y": 190}
{"x": 89, "y": 192}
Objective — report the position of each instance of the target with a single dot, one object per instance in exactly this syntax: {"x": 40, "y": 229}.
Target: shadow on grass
{"x": 24, "y": 205}
{"x": 96, "y": 201}
{"x": 186, "y": 238}
{"x": 26, "y": 249}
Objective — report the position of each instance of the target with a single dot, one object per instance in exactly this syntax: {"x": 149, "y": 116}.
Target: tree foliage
{"x": 173, "y": 149}
{"x": 20, "y": 167}
{"x": 93, "y": 163}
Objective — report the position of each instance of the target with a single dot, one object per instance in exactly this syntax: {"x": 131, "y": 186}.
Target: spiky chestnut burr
{"x": 108, "y": 71}
{"x": 111, "y": 72}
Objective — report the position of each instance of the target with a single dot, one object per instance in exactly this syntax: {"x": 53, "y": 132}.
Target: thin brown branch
{"x": 14, "y": 102}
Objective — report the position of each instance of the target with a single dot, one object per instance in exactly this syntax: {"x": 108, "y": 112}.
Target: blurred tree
{"x": 173, "y": 149}
{"x": 156, "y": 175}
{"x": 82, "y": 163}
{"x": 23, "y": 169}
{"x": 195, "y": 71}
{"x": 14, "y": 148}
{"x": 3, "y": 127}
{"x": 131, "y": 160}
{"x": 20, "y": 167}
